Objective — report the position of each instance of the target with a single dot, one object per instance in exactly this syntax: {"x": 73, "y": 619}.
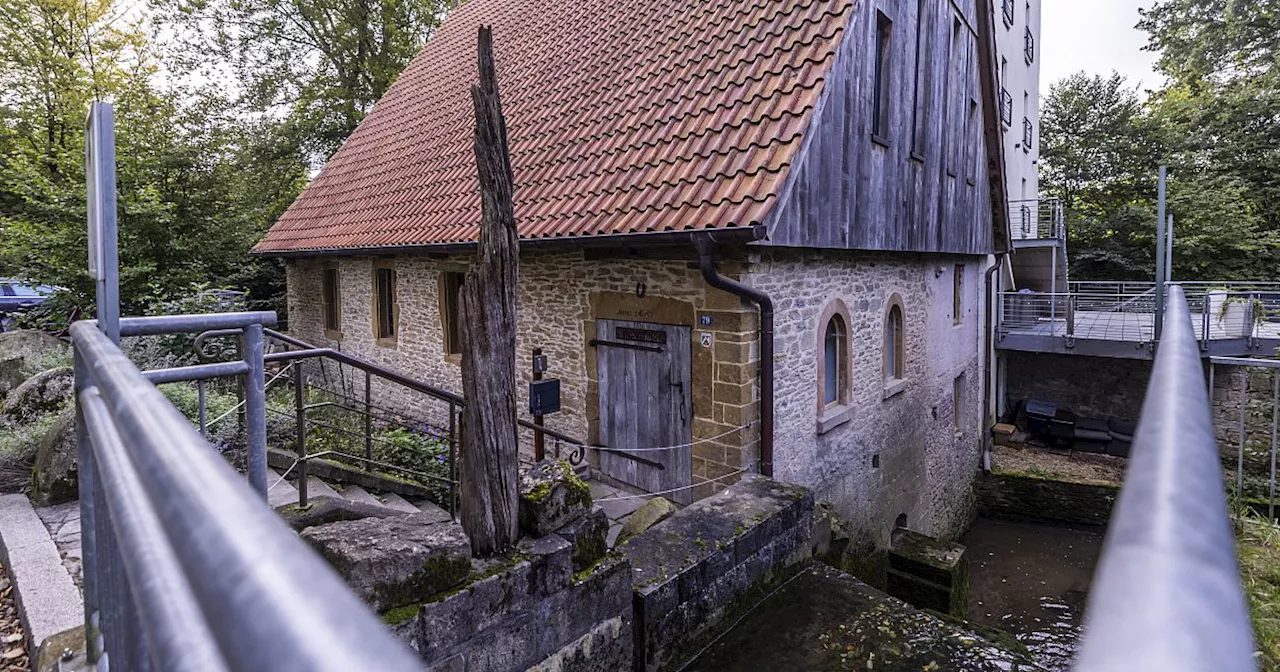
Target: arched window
{"x": 894, "y": 345}
{"x": 835, "y": 362}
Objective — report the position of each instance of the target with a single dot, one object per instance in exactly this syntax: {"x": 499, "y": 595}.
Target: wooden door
{"x": 646, "y": 402}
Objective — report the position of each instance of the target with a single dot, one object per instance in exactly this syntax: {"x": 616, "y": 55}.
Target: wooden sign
{"x": 655, "y": 336}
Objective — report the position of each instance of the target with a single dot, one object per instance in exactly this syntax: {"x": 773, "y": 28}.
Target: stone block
{"x": 325, "y": 510}
{"x": 649, "y": 514}
{"x": 603, "y": 594}
{"x": 551, "y": 496}
{"x": 394, "y": 562}
{"x": 44, "y": 392}
{"x": 55, "y": 478}
{"x": 507, "y": 647}
{"x": 929, "y": 573}
{"x": 449, "y": 620}
{"x": 588, "y": 535}
{"x": 608, "y": 647}
{"x": 550, "y": 564}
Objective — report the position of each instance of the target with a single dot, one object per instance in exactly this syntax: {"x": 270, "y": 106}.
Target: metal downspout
{"x": 988, "y": 355}
{"x": 706, "y": 262}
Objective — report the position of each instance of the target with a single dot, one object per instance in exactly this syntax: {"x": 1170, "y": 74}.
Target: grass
{"x": 1258, "y": 545}
{"x": 18, "y": 444}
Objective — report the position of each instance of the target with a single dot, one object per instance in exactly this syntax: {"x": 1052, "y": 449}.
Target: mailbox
{"x": 544, "y": 396}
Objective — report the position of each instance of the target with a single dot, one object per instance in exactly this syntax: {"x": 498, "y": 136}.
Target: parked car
{"x": 17, "y": 297}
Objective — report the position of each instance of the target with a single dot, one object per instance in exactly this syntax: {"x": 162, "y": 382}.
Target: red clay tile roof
{"x": 624, "y": 116}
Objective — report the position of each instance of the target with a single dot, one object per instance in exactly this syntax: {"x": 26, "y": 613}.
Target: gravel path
{"x": 13, "y": 648}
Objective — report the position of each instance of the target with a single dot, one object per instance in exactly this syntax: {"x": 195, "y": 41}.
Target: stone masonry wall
{"x": 1115, "y": 388}
{"x": 561, "y": 295}
{"x": 899, "y": 451}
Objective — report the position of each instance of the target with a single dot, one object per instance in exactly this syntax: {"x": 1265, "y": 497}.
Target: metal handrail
{"x": 1166, "y": 594}
{"x": 163, "y": 515}
{"x": 310, "y": 351}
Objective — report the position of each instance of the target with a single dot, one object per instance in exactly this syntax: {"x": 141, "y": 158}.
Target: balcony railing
{"x": 1040, "y": 219}
{"x": 1030, "y": 48}
{"x": 1006, "y": 108}
{"x": 1166, "y": 594}
{"x": 1008, "y": 12}
{"x": 1028, "y": 134}
{"x": 1239, "y": 317}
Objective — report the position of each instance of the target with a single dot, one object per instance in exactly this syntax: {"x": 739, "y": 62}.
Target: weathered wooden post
{"x": 490, "y": 453}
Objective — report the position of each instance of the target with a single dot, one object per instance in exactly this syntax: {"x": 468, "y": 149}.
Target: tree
{"x": 197, "y": 183}
{"x": 318, "y": 64}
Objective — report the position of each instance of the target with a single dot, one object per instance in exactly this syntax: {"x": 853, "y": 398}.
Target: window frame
{"x": 959, "y": 402}
{"x": 957, "y": 295}
{"x": 895, "y": 376}
{"x": 331, "y": 309}
{"x": 450, "y": 289}
{"x": 391, "y": 339}
{"x": 832, "y": 414}
{"x": 882, "y": 76}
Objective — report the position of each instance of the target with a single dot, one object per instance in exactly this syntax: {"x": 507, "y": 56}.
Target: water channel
{"x": 1032, "y": 580}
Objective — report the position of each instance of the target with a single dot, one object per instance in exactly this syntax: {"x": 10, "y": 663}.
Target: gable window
{"x": 331, "y": 302}
{"x": 451, "y": 311}
{"x": 895, "y": 347}
{"x": 957, "y": 294}
{"x": 833, "y": 367}
{"x": 880, "y": 95}
{"x": 386, "y": 309}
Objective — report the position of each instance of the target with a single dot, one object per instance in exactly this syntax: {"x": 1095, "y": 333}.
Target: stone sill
{"x": 834, "y": 417}
{"x": 893, "y": 388}
{"x": 333, "y": 335}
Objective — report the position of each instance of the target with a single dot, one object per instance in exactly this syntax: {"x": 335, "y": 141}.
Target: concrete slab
{"x": 318, "y": 488}
{"x": 617, "y": 509}
{"x": 47, "y": 598}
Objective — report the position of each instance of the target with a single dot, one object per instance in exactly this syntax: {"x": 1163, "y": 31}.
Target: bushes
{"x": 418, "y": 451}
{"x": 1258, "y": 543}
{"x": 18, "y": 445}
{"x": 186, "y": 399}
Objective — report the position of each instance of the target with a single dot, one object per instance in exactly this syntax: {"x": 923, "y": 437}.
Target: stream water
{"x": 1032, "y": 580}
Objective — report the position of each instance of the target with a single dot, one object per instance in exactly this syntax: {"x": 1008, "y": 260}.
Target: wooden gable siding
{"x": 848, "y": 191}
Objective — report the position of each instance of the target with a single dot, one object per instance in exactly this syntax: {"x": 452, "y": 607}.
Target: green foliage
{"x": 18, "y": 445}
{"x": 419, "y": 452}
{"x": 322, "y": 63}
{"x": 1216, "y": 123}
{"x": 186, "y": 399}
{"x": 1258, "y": 546}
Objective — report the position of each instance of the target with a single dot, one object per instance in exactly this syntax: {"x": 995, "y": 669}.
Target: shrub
{"x": 186, "y": 399}
{"x": 18, "y": 445}
{"x": 420, "y": 452}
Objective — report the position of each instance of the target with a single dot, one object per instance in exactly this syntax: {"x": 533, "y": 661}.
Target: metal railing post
{"x": 368, "y": 420}
{"x": 300, "y": 422}
{"x": 204, "y": 423}
{"x": 88, "y": 489}
{"x": 1244, "y": 401}
{"x": 1071, "y": 315}
{"x": 453, "y": 460}
{"x": 255, "y": 407}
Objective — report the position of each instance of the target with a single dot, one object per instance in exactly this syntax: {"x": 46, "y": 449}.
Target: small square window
{"x": 331, "y": 302}
{"x": 451, "y": 311}
{"x": 386, "y": 309}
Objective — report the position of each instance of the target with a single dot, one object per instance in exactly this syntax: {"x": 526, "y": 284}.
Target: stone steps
{"x": 393, "y": 501}
{"x": 281, "y": 492}
{"x": 356, "y": 493}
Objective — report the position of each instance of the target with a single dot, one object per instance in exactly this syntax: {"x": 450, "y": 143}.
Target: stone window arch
{"x": 895, "y": 346}
{"x": 834, "y": 359}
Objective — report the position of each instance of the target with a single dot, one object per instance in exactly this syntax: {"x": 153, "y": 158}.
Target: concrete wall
{"x": 898, "y": 452}
{"x": 1090, "y": 386}
{"x": 1022, "y": 81}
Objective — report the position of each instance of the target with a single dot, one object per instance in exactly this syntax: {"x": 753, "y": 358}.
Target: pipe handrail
{"x": 1166, "y": 594}
{"x": 269, "y": 601}
{"x": 310, "y": 351}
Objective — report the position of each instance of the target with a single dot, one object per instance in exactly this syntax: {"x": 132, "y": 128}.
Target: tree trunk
{"x": 489, "y": 445}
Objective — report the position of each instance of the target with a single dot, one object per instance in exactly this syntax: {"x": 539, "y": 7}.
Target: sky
{"x": 1096, "y": 36}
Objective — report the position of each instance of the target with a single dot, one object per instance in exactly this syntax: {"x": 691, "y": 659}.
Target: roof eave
{"x": 737, "y": 234}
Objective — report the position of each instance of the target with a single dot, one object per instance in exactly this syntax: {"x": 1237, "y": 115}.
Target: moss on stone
{"x": 587, "y": 571}
{"x": 539, "y": 492}
{"x": 435, "y": 575}
{"x": 400, "y": 614}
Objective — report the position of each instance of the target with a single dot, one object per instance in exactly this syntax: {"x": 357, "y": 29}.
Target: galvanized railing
{"x": 185, "y": 567}
{"x": 1241, "y": 433}
{"x": 1241, "y": 313}
{"x": 1038, "y": 219}
{"x": 1166, "y": 594}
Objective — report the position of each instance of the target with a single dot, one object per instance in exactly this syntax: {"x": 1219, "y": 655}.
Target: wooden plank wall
{"x": 925, "y": 194}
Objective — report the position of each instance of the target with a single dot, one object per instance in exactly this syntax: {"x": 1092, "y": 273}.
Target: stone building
{"x": 679, "y": 167}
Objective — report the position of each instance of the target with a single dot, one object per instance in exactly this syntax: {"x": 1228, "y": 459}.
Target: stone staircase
{"x": 284, "y": 492}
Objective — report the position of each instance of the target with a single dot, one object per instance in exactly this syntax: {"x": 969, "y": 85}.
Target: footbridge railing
{"x": 185, "y": 567}
{"x": 1166, "y": 594}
